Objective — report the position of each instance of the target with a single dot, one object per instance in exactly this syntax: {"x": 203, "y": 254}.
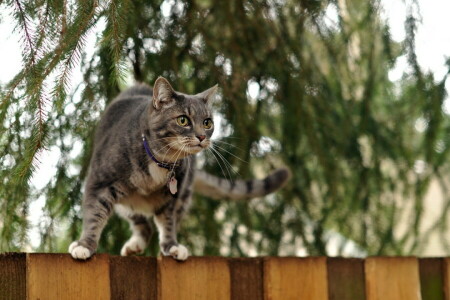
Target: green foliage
{"x": 325, "y": 107}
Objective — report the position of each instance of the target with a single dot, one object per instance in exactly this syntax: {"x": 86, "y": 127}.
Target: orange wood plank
{"x": 295, "y": 278}
{"x": 12, "y": 276}
{"x": 60, "y": 277}
{"x": 392, "y": 278}
{"x": 197, "y": 278}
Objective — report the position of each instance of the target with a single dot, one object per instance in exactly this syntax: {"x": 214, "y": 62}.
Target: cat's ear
{"x": 162, "y": 92}
{"x": 209, "y": 94}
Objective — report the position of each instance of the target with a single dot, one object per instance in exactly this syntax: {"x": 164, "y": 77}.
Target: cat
{"x": 143, "y": 165}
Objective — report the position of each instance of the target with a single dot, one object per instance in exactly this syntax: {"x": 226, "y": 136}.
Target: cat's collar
{"x": 161, "y": 164}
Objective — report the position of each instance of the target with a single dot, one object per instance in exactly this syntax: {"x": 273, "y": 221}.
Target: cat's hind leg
{"x": 142, "y": 233}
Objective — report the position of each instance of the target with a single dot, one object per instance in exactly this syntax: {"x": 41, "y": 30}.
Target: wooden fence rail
{"x": 59, "y": 277}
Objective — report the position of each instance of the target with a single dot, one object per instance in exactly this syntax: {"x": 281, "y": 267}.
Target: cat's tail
{"x": 219, "y": 188}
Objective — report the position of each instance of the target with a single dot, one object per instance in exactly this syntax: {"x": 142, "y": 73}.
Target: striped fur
{"x": 219, "y": 188}
{"x": 124, "y": 179}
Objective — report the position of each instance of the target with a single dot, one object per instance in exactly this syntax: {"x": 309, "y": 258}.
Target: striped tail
{"x": 219, "y": 188}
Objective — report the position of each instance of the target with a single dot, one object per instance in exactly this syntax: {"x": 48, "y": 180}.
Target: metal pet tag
{"x": 173, "y": 185}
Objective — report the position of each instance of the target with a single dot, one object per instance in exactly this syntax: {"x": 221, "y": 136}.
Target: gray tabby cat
{"x": 143, "y": 165}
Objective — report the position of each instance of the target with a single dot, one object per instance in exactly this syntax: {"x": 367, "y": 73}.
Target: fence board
{"x": 346, "y": 279}
{"x": 446, "y": 271}
{"x": 295, "y": 278}
{"x": 392, "y": 278}
{"x": 197, "y": 278}
{"x": 431, "y": 278}
{"x": 133, "y": 278}
{"x": 60, "y": 277}
{"x": 12, "y": 276}
{"x": 246, "y": 278}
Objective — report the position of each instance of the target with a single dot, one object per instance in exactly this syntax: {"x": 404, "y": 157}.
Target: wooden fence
{"x": 59, "y": 277}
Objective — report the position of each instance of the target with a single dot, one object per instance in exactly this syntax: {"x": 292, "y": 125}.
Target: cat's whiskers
{"x": 226, "y": 165}
{"x": 223, "y": 149}
{"x": 157, "y": 151}
{"x": 151, "y": 141}
{"x": 226, "y": 162}
{"x": 167, "y": 151}
{"x": 182, "y": 141}
{"x": 168, "y": 146}
{"x": 185, "y": 144}
{"x": 179, "y": 153}
{"x": 228, "y": 144}
{"x": 163, "y": 138}
{"x": 218, "y": 162}
{"x": 232, "y": 137}
{"x": 190, "y": 147}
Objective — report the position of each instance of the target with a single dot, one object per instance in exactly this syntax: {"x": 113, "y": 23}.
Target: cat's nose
{"x": 201, "y": 137}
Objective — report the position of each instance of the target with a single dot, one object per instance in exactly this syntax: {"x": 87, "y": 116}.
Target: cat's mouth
{"x": 199, "y": 146}
{"x": 196, "y": 147}
{"x": 190, "y": 146}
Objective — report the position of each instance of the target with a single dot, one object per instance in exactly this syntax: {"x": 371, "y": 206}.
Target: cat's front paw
{"x": 78, "y": 251}
{"x": 135, "y": 245}
{"x": 179, "y": 252}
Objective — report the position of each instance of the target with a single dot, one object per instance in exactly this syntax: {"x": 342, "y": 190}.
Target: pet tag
{"x": 173, "y": 185}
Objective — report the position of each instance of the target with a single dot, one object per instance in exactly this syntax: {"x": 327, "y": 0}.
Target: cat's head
{"x": 182, "y": 124}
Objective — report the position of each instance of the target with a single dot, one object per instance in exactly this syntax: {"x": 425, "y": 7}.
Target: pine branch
{"x": 39, "y": 99}
{"x": 114, "y": 36}
{"x": 87, "y": 21}
{"x": 33, "y": 145}
{"x": 11, "y": 87}
{"x": 37, "y": 72}
{"x": 24, "y": 20}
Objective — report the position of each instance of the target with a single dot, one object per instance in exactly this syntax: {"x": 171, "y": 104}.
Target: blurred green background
{"x": 303, "y": 84}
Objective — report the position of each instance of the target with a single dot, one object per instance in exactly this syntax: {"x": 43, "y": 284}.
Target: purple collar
{"x": 165, "y": 165}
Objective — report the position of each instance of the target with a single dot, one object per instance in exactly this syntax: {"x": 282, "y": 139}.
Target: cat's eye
{"x": 207, "y": 123}
{"x": 183, "y": 121}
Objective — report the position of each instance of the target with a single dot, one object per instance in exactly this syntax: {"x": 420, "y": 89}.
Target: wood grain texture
{"x": 390, "y": 278}
{"x": 431, "y": 278}
{"x": 12, "y": 276}
{"x": 446, "y": 273}
{"x": 346, "y": 279}
{"x": 133, "y": 277}
{"x": 246, "y": 278}
{"x": 197, "y": 278}
{"x": 60, "y": 277}
{"x": 295, "y": 278}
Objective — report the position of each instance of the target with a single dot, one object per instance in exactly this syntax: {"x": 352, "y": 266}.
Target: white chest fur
{"x": 148, "y": 183}
{"x": 158, "y": 174}
{"x": 146, "y": 197}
